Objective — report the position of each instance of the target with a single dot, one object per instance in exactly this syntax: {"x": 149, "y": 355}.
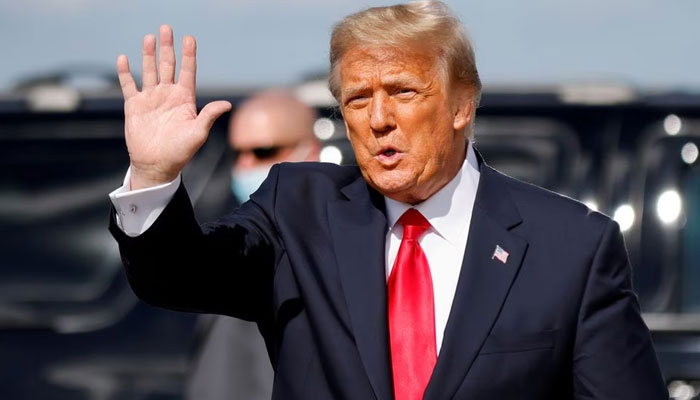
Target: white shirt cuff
{"x": 138, "y": 209}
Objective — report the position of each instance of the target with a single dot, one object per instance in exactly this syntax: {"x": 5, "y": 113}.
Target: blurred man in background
{"x": 271, "y": 127}
{"x": 230, "y": 361}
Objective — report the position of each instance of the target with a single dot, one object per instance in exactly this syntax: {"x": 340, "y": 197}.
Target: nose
{"x": 381, "y": 113}
{"x": 246, "y": 160}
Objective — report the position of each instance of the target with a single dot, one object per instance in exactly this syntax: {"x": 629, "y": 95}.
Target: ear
{"x": 463, "y": 113}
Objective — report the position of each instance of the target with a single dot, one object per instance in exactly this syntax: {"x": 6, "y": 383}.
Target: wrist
{"x": 145, "y": 178}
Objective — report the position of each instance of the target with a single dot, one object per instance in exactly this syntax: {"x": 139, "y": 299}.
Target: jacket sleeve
{"x": 613, "y": 353}
{"x": 225, "y": 267}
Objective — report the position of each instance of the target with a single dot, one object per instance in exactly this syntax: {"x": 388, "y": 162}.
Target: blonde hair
{"x": 426, "y": 23}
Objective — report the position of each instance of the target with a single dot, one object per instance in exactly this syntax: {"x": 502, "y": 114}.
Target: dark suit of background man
{"x": 486, "y": 288}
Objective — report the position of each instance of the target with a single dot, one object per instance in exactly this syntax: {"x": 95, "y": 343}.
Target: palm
{"x": 162, "y": 127}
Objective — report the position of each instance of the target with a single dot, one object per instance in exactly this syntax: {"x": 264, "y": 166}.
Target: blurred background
{"x": 597, "y": 100}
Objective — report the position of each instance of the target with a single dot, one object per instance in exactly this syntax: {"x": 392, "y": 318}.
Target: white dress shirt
{"x": 448, "y": 211}
{"x": 138, "y": 209}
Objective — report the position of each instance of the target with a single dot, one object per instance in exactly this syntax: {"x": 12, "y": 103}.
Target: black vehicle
{"x": 70, "y": 327}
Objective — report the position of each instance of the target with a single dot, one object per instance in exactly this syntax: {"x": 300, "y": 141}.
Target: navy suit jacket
{"x": 304, "y": 258}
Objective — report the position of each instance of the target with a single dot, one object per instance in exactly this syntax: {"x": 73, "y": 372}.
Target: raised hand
{"x": 162, "y": 128}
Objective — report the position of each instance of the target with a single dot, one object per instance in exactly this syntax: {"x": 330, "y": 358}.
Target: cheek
{"x": 431, "y": 136}
{"x": 356, "y": 129}
{"x": 435, "y": 150}
{"x": 359, "y": 146}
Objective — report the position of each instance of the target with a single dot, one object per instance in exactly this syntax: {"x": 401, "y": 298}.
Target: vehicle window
{"x": 60, "y": 266}
{"x": 53, "y": 211}
{"x": 666, "y": 254}
{"x": 541, "y": 151}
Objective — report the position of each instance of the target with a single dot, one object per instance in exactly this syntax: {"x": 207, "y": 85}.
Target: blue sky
{"x": 645, "y": 43}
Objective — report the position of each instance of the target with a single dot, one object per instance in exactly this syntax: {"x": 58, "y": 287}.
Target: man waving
{"x": 422, "y": 273}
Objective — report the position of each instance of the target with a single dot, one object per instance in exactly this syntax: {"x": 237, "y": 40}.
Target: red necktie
{"x": 411, "y": 312}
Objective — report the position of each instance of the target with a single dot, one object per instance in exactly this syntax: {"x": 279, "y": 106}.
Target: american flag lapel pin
{"x": 500, "y": 254}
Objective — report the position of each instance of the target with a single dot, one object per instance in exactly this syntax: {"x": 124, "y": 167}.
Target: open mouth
{"x": 388, "y": 155}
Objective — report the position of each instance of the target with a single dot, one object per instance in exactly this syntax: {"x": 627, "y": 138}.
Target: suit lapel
{"x": 483, "y": 283}
{"x": 359, "y": 233}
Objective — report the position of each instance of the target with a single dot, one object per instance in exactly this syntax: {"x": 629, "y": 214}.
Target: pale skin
{"x": 406, "y": 123}
{"x": 272, "y": 118}
{"x": 162, "y": 127}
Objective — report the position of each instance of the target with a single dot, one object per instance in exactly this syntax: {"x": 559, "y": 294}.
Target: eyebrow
{"x": 402, "y": 80}
{"x": 353, "y": 90}
{"x": 391, "y": 81}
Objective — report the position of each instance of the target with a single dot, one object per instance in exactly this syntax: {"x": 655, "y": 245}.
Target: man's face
{"x": 261, "y": 139}
{"x": 404, "y": 123}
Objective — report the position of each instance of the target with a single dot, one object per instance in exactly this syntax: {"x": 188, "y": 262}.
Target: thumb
{"x": 210, "y": 113}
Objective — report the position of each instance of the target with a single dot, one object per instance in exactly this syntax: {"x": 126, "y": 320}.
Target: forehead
{"x": 364, "y": 63}
{"x": 255, "y": 128}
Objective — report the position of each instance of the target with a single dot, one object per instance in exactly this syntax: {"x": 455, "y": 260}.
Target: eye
{"x": 356, "y": 100}
{"x": 406, "y": 92}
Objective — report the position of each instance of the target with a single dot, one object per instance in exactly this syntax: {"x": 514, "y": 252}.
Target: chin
{"x": 393, "y": 184}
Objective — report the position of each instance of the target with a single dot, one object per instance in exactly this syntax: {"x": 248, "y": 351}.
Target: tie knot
{"x": 414, "y": 224}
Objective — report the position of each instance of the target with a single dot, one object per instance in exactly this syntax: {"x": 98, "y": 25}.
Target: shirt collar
{"x": 447, "y": 210}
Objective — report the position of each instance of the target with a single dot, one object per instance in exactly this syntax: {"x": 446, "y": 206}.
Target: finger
{"x": 148, "y": 62}
{"x": 188, "y": 69}
{"x": 126, "y": 81}
{"x": 166, "y": 56}
{"x": 210, "y": 113}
